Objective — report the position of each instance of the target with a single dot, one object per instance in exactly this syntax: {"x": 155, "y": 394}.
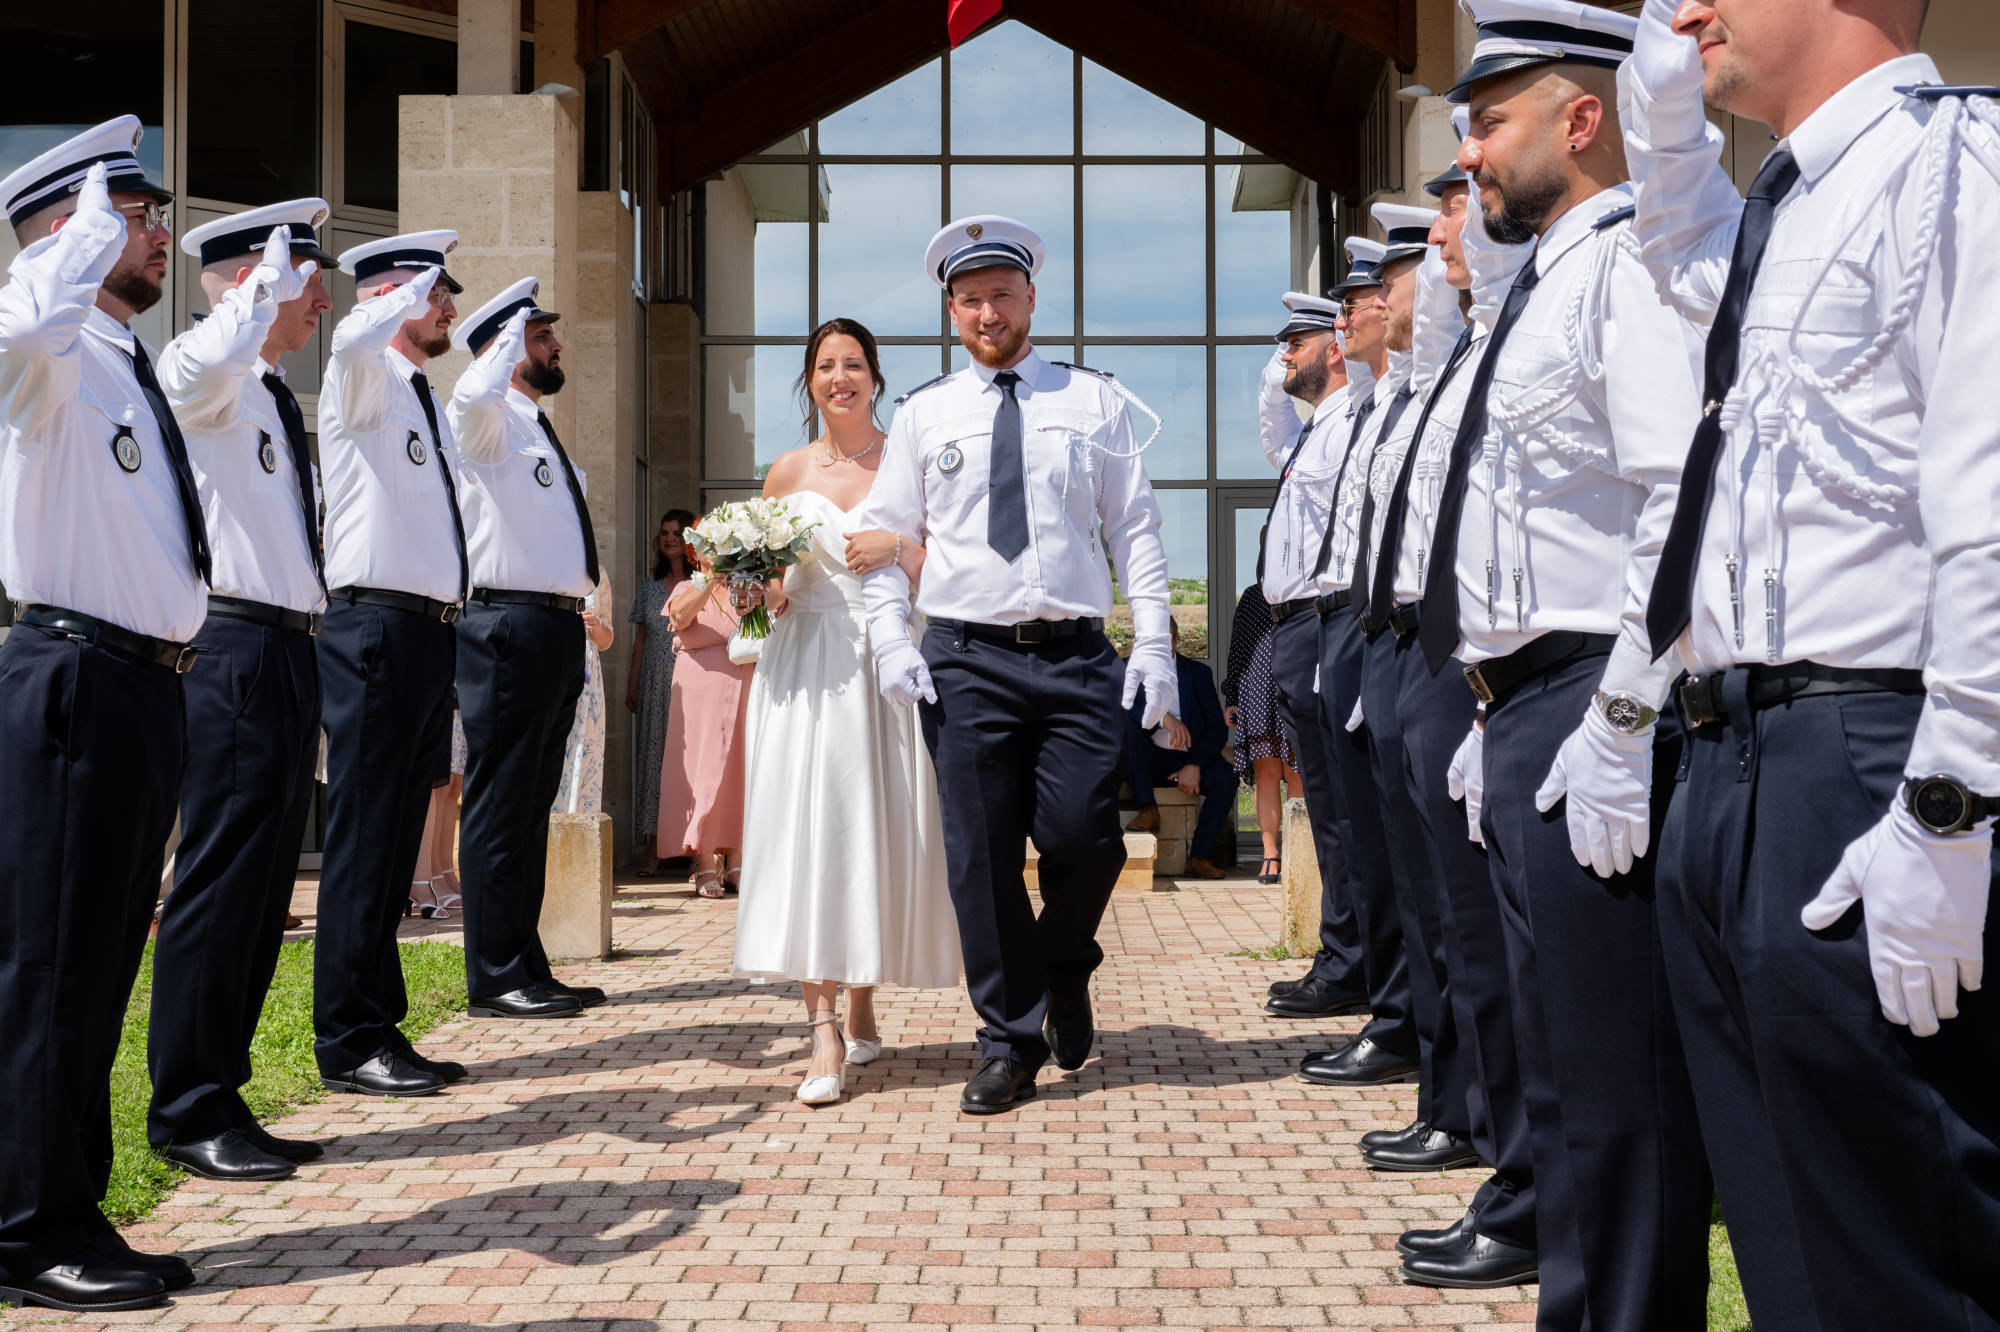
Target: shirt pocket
{"x": 958, "y": 474}
{"x": 120, "y": 426}
{"x": 410, "y": 461}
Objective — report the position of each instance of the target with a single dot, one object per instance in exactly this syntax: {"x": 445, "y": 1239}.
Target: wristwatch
{"x": 1943, "y": 805}
{"x": 1626, "y": 713}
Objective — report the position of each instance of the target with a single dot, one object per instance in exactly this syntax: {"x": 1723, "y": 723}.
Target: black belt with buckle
{"x": 1028, "y": 633}
{"x": 236, "y": 608}
{"x": 1403, "y": 620}
{"x": 431, "y": 609}
{"x": 1492, "y": 678}
{"x": 1285, "y": 610}
{"x": 494, "y": 596}
{"x": 176, "y": 657}
{"x": 1702, "y": 702}
{"x": 1339, "y": 601}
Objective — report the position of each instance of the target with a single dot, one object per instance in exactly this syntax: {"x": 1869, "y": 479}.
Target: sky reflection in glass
{"x": 1012, "y": 95}
{"x": 1173, "y": 381}
{"x": 901, "y": 118}
{"x": 871, "y": 248}
{"x": 1144, "y": 237}
{"x": 1122, "y": 119}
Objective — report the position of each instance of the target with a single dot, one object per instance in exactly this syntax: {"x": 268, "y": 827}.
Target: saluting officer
{"x": 253, "y": 707}
{"x": 520, "y": 645}
{"x": 102, "y": 543}
{"x": 1008, "y": 469}
{"x": 1832, "y": 581}
{"x": 1559, "y": 488}
{"x": 397, "y": 573}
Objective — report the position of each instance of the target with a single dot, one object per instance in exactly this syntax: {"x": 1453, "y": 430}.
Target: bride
{"x": 845, "y": 883}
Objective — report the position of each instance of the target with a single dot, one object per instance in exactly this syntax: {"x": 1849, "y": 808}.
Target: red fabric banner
{"x": 965, "y": 17}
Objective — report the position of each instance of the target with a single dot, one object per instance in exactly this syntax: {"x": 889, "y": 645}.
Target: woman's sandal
{"x": 824, "y": 1088}
{"x": 1271, "y": 870}
{"x": 732, "y": 880}
{"x": 447, "y": 901}
{"x": 707, "y": 883}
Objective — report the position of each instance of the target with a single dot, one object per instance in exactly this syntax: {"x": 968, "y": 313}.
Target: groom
{"x": 1006, "y": 470}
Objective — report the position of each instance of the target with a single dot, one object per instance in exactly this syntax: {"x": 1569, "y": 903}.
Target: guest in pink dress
{"x": 701, "y": 778}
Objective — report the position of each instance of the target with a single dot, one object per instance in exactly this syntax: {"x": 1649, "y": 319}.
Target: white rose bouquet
{"x": 749, "y": 542}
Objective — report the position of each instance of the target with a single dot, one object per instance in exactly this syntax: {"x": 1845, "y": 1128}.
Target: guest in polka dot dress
{"x": 1250, "y": 698}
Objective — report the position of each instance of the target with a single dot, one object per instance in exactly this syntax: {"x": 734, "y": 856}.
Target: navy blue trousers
{"x": 1622, "y": 1189}
{"x": 1859, "y": 1165}
{"x": 1151, "y": 766}
{"x": 1392, "y": 998}
{"x": 1434, "y": 714}
{"x": 91, "y": 745}
{"x": 1027, "y": 741}
{"x": 1295, "y": 673}
{"x": 520, "y": 672}
{"x": 386, "y": 676}
{"x": 253, "y": 713}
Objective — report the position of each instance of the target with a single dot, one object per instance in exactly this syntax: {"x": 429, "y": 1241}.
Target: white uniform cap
{"x": 60, "y": 170}
{"x": 485, "y": 323}
{"x": 984, "y": 241}
{"x": 1363, "y": 256}
{"x": 243, "y": 234}
{"x": 416, "y": 251}
{"x": 1309, "y": 314}
{"x": 1407, "y": 230}
{"x": 1518, "y": 34}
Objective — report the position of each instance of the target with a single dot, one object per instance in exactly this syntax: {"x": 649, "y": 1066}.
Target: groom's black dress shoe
{"x": 88, "y": 1285}
{"x": 1391, "y": 1137}
{"x": 1001, "y": 1084}
{"x": 1435, "y": 1241}
{"x": 295, "y": 1150}
{"x": 447, "y": 1069}
{"x": 171, "y": 1269}
{"x": 1433, "y": 1149}
{"x": 587, "y": 995}
{"x": 1474, "y": 1263}
{"x": 1360, "y": 1063}
{"x": 228, "y": 1155}
{"x": 1287, "y": 986}
{"x": 1316, "y": 998}
{"x": 1068, "y": 1029}
{"x": 530, "y": 1001}
{"x": 385, "y": 1075}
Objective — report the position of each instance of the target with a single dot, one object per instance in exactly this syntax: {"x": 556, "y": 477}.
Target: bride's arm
{"x": 873, "y": 549}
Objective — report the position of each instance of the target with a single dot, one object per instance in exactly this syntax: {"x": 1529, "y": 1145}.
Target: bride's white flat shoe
{"x": 823, "y": 1088}
{"x": 863, "y": 1052}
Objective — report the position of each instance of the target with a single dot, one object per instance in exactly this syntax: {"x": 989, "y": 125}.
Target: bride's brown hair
{"x": 802, "y": 387}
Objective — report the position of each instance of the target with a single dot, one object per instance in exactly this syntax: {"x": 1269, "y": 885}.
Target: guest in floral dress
{"x": 1263, "y": 750}
{"x": 650, "y": 680}
{"x": 582, "y": 790}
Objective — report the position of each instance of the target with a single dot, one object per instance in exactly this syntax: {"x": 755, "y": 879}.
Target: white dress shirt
{"x": 1420, "y": 505}
{"x": 1356, "y": 459}
{"x": 521, "y": 528}
{"x": 76, "y": 529}
{"x": 1592, "y": 407}
{"x": 1299, "y": 511}
{"x": 213, "y": 377}
{"x": 388, "y": 521}
{"x": 1081, "y": 472}
{"x": 1870, "y": 509}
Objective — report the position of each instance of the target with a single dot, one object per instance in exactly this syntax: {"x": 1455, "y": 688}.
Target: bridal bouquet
{"x": 749, "y": 542}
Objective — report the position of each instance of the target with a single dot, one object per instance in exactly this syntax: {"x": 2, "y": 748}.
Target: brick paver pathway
{"x": 646, "y": 1165}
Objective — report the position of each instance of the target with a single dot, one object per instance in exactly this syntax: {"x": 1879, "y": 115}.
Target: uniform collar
{"x": 1570, "y": 229}
{"x": 1333, "y": 405}
{"x": 264, "y": 367}
{"x": 1029, "y": 368}
{"x": 403, "y": 365}
{"x": 1824, "y": 137}
{"x": 104, "y": 326}
{"x": 521, "y": 402}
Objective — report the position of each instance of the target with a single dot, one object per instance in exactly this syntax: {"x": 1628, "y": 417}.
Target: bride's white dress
{"x": 843, "y": 858}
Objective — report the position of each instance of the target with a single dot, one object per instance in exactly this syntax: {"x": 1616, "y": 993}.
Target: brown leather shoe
{"x": 1197, "y": 868}
{"x": 1146, "y": 820}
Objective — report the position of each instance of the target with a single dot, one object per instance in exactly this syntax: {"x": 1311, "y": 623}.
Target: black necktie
{"x": 1361, "y": 416}
{"x": 423, "y": 388}
{"x": 1007, "y": 484}
{"x": 1264, "y": 533}
{"x": 177, "y": 456}
{"x": 576, "y": 494}
{"x": 1672, "y": 602}
{"x": 1381, "y": 589}
{"x": 295, "y": 435}
{"x": 1438, "y": 628}
{"x": 1362, "y": 581}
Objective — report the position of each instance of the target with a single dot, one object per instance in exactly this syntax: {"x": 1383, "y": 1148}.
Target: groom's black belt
{"x": 1027, "y": 632}
{"x": 495, "y": 596}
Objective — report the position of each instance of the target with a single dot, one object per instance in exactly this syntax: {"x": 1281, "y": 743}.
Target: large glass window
{"x": 383, "y": 64}
{"x": 252, "y": 54}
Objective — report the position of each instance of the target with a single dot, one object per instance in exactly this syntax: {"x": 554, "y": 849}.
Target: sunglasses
{"x": 153, "y": 213}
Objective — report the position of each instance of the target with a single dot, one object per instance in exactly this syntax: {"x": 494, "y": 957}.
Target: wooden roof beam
{"x": 606, "y": 25}
{"x": 1390, "y": 26}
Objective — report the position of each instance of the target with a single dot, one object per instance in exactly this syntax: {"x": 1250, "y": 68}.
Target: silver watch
{"x": 1626, "y": 713}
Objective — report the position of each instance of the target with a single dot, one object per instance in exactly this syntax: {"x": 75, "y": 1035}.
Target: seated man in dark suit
{"x": 1191, "y": 759}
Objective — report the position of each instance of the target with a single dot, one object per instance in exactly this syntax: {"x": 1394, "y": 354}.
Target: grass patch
{"x": 1277, "y": 952}
{"x": 281, "y": 1054}
{"x": 1727, "y": 1311}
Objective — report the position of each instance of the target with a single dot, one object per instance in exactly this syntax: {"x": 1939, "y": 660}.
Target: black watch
{"x": 1944, "y": 805}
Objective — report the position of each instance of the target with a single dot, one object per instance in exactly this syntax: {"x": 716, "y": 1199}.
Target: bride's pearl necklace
{"x": 835, "y": 455}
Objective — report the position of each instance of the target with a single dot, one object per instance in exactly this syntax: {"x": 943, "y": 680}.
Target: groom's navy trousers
{"x": 1028, "y": 740}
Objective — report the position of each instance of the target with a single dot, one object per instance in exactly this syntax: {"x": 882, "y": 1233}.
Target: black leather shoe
{"x": 171, "y": 1269}
{"x": 1387, "y": 1137}
{"x": 1317, "y": 999}
{"x": 1000, "y": 1084}
{"x": 447, "y": 1069}
{"x": 228, "y": 1155}
{"x": 1434, "y": 1241}
{"x": 87, "y": 1286}
{"x": 587, "y": 995}
{"x": 385, "y": 1075}
{"x": 1286, "y": 987}
{"x": 1474, "y": 1263}
{"x": 295, "y": 1150}
{"x": 530, "y": 1001}
{"x": 1068, "y": 1029}
{"x": 1360, "y": 1063}
{"x": 1433, "y": 1149}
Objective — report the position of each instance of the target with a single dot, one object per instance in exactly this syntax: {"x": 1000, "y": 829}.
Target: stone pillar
{"x": 489, "y": 46}
{"x": 1299, "y": 873}
{"x": 576, "y": 906}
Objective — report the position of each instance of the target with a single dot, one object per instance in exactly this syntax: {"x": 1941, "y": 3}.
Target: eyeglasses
{"x": 152, "y": 213}
{"x": 1355, "y": 305}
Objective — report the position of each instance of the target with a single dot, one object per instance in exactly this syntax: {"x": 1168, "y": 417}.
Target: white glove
{"x": 1271, "y": 384}
{"x": 509, "y": 346}
{"x": 91, "y": 241}
{"x": 1494, "y": 266}
{"x": 901, "y": 672}
{"x": 1923, "y": 900}
{"x": 275, "y": 278}
{"x": 1152, "y": 665}
{"x": 1608, "y": 778}
{"x": 1669, "y": 71}
{"x": 1466, "y": 779}
{"x": 1355, "y": 721}
{"x": 401, "y": 303}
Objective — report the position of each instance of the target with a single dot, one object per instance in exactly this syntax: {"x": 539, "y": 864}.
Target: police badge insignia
{"x": 951, "y": 460}
{"x": 418, "y": 453}
{"x": 545, "y": 474}
{"x": 125, "y": 449}
{"x": 267, "y": 454}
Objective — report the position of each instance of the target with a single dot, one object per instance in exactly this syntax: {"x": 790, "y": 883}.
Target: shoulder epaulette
{"x": 1933, "y": 92}
{"x": 929, "y": 383}
{"x": 1101, "y": 374}
{"x": 1613, "y": 218}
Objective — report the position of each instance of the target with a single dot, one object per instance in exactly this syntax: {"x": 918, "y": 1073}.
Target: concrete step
{"x": 1137, "y": 876}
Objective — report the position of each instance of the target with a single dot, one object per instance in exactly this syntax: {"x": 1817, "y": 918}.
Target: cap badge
{"x": 418, "y": 453}
{"x": 975, "y": 230}
{"x": 125, "y": 450}
{"x": 267, "y": 454}
{"x": 544, "y": 474}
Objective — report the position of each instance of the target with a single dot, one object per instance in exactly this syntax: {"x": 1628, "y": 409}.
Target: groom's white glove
{"x": 1152, "y": 665}
{"x": 901, "y": 671}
